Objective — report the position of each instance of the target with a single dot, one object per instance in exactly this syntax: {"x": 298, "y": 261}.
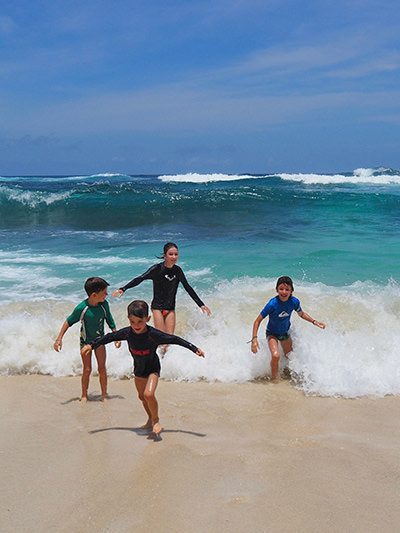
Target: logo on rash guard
{"x": 140, "y": 352}
{"x": 282, "y": 314}
{"x": 170, "y": 278}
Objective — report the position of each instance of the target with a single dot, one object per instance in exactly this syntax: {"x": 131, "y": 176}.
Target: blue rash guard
{"x": 279, "y": 312}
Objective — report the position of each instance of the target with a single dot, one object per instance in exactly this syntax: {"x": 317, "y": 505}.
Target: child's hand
{"x": 117, "y": 344}
{"x": 117, "y": 292}
{"x": 58, "y": 345}
{"x": 319, "y": 324}
{"x": 86, "y": 350}
{"x": 254, "y": 345}
{"x": 200, "y": 353}
{"x": 205, "y": 309}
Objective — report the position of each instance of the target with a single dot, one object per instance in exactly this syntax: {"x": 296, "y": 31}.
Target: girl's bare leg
{"x": 87, "y": 370}
{"x": 275, "y": 356}
{"x": 169, "y": 322}
{"x": 164, "y": 323}
{"x": 100, "y": 354}
{"x": 158, "y": 318}
{"x": 287, "y": 346}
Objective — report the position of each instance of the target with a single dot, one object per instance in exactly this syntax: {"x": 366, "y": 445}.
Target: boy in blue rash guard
{"x": 143, "y": 341}
{"x": 91, "y": 313}
{"x": 278, "y": 310}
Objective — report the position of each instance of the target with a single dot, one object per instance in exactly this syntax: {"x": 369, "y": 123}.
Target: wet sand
{"x": 254, "y": 457}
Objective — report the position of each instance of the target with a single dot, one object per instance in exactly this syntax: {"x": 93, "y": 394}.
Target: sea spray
{"x": 355, "y": 355}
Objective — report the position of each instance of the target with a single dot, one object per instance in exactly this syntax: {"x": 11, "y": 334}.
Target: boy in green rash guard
{"x": 92, "y": 313}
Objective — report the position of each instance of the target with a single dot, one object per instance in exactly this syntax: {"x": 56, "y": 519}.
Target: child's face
{"x": 99, "y": 297}
{"x": 171, "y": 257}
{"x": 284, "y": 291}
{"x": 138, "y": 325}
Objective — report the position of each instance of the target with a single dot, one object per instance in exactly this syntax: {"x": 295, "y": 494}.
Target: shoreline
{"x": 245, "y": 457}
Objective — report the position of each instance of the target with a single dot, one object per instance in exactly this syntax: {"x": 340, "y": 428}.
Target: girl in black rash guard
{"x": 143, "y": 341}
{"x": 166, "y": 277}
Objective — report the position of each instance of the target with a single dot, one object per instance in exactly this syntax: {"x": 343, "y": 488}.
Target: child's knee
{"x": 87, "y": 370}
{"x": 275, "y": 354}
{"x": 148, "y": 395}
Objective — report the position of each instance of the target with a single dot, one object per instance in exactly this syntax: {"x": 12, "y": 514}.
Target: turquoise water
{"x": 335, "y": 235}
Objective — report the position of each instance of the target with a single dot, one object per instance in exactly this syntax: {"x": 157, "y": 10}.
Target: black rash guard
{"x": 165, "y": 285}
{"x": 143, "y": 347}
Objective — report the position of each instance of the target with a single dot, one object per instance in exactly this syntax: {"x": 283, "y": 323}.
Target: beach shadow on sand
{"x": 150, "y": 435}
{"x": 94, "y": 398}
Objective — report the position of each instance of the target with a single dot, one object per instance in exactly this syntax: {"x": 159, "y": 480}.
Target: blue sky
{"x": 235, "y": 86}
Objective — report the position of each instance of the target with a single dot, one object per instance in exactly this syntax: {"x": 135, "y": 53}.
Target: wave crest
{"x": 356, "y": 355}
{"x": 205, "y": 178}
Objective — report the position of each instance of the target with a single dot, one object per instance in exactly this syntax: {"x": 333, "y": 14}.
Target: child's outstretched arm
{"x": 254, "y": 339}
{"x": 307, "y": 317}
{"x": 149, "y": 274}
{"x": 117, "y": 343}
{"x": 160, "y": 337}
{"x": 192, "y": 293}
{"x": 58, "y": 341}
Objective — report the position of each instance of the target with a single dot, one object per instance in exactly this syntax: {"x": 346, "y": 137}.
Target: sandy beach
{"x": 233, "y": 457}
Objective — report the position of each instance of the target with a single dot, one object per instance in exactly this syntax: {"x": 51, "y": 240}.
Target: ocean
{"x": 337, "y": 236}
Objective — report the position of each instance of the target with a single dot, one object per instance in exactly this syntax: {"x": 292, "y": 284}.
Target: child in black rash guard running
{"x": 143, "y": 341}
{"x": 166, "y": 277}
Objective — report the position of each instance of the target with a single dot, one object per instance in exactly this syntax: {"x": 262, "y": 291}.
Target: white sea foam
{"x": 25, "y": 257}
{"x": 25, "y": 275}
{"x": 355, "y": 355}
{"x": 203, "y": 178}
{"x": 360, "y": 176}
{"x": 52, "y": 179}
{"x": 191, "y": 273}
{"x": 33, "y": 198}
{"x": 41, "y": 283}
{"x": 381, "y": 176}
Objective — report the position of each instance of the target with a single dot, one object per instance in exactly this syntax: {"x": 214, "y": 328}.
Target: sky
{"x": 208, "y": 86}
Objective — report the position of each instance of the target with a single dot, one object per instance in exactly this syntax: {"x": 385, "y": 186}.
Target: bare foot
{"x": 105, "y": 398}
{"x": 157, "y": 428}
{"x": 84, "y": 399}
{"x": 147, "y": 425}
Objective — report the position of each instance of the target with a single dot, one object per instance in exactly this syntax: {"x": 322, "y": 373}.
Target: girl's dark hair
{"x": 167, "y": 246}
{"x": 286, "y": 280}
{"x": 95, "y": 284}
{"x": 138, "y": 308}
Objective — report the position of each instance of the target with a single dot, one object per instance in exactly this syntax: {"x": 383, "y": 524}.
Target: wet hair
{"x": 138, "y": 308}
{"x": 286, "y": 280}
{"x": 95, "y": 284}
{"x": 167, "y": 246}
